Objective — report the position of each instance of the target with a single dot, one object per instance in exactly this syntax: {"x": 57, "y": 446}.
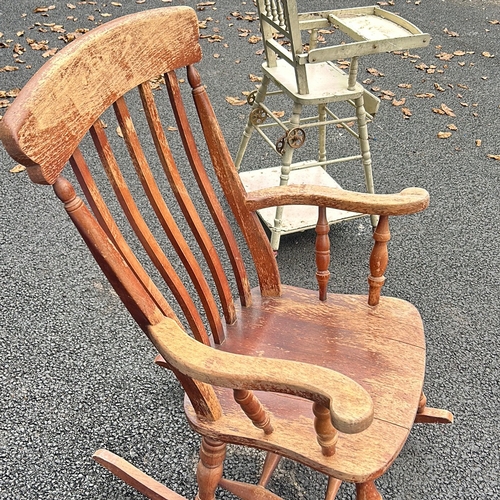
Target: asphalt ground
{"x": 77, "y": 374}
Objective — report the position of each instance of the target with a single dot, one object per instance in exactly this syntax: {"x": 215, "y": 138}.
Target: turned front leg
{"x": 209, "y": 471}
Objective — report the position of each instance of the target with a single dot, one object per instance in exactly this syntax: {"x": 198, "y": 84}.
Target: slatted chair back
{"x": 59, "y": 106}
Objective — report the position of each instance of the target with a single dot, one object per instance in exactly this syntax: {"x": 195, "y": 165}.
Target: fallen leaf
{"x": 448, "y": 111}
{"x": 398, "y": 103}
{"x": 478, "y": 142}
{"x": 438, "y": 87}
{"x": 494, "y": 157}
{"x": 116, "y": 4}
{"x": 495, "y": 21}
{"x": 119, "y": 131}
{"x": 487, "y": 54}
{"x": 49, "y": 53}
{"x": 452, "y": 126}
{"x": 450, "y": 33}
{"x": 426, "y": 95}
{"x": 278, "y": 114}
{"x": 459, "y": 53}
{"x": 70, "y": 6}
{"x": 216, "y": 56}
{"x": 406, "y": 111}
{"x": 235, "y": 101}
{"x": 374, "y": 72}
{"x": 172, "y": 129}
{"x": 422, "y": 66}
{"x": 255, "y": 78}
{"x": 404, "y": 85}
{"x": 444, "y": 56}
{"x": 254, "y": 39}
{"x": 438, "y": 111}
{"x": 443, "y": 135}
{"x": 8, "y": 69}
{"x": 17, "y": 169}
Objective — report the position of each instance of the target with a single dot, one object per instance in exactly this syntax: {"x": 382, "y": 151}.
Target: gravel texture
{"x": 77, "y": 374}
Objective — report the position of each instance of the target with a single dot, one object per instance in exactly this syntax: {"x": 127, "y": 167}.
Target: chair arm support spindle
{"x": 254, "y": 410}
{"x": 378, "y": 260}
{"x": 322, "y": 253}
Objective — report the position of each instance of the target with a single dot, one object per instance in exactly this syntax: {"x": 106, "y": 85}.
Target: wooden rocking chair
{"x": 338, "y": 380}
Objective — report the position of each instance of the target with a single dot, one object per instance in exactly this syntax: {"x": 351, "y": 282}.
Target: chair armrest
{"x": 351, "y": 407}
{"x": 408, "y": 201}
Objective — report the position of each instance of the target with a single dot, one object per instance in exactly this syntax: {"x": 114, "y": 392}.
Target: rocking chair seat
{"x": 327, "y": 83}
{"x": 382, "y": 348}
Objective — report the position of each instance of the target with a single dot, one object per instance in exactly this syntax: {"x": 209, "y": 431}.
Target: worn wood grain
{"x": 49, "y": 106}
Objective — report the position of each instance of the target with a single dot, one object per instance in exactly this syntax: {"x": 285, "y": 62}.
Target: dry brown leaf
{"x": 8, "y": 69}
{"x": 278, "y": 114}
{"x": 406, "y": 111}
{"x": 495, "y": 21}
{"x": 105, "y": 14}
{"x": 216, "y": 56}
{"x": 452, "y": 126}
{"x": 119, "y": 131}
{"x": 459, "y": 53}
{"x": 422, "y": 66}
{"x": 438, "y": 87}
{"x": 478, "y": 142}
{"x": 49, "y": 53}
{"x": 172, "y": 129}
{"x": 140, "y": 1}
{"x": 464, "y": 104}
{"x": 494, "y": 157}
{"x": 374, "y": 72}
{"x": 70, "y": 6}
{"x": 443, "y": 135}
{"x": 426, "y": 95}
{"x": 450, "y": 33}
{"x": 116, "y": 4}
{"x": 235, "y": 101}
{"x": 444, "y": 56}
{"x": 448, "y": 111}
{"x": 255, "y": 78}
{"x": 254, "y": 39}
{"x": 438, "y": 111}
{"x": 17, "y": 169}
{"x": 398, "y": 103}
{"x": 487, "y": 54}
{"x": 404, "y": 85}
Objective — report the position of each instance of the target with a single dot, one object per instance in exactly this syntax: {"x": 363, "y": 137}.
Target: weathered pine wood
{"x": 205, "y": 186}
{"x": 49, "y": 107}
{"x": 362, "y": 366}
{"x": 367, "y": 491}
{"x": 247, "y": 491}
{"x": 162, "y": 213}
{"x": 127, "y": 286}
{"x": 350, "y": 405}
{"x": 105, "y": 219}
{"x": 409, "y": 201}
{"x": 201, "y": 395}
{"x": 322, "y": 253}
{"x": 186, "y": 205}
{"x": 248, "y": 222}
{"x": 270, "y": 463}
{"x": 144, "y": 234}
{"x": 134, "y": 477}
{"x": 210, "y": 466}
{"x": 326, "y": 434}
{"x": 378, "y": 260}
{"x": 332, "y": 488}
{"x": 254, "y": 410}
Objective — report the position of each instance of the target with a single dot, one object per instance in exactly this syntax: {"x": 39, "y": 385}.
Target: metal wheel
{"x": 258, "y": 116}
{"x": 296, "y": 137}
{"x": 280, "y": 145}
{"x": 251, "y": 97}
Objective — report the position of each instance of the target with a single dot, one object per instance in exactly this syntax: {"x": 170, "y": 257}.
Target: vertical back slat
{"x": 188, "y": 209}
{"x": 258, "y": 244}
{"x": 144, "y": 234}
{"x": 166, "y": 219}
{"x": 207, "y": 190}
{"x": 105, "y": 219}
{"x": 127, "y": 286}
